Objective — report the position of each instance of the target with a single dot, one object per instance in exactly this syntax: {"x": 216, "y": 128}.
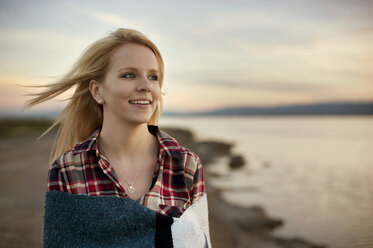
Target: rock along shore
{"x": 230, "y": 225}
{"x": 24, "y": 166}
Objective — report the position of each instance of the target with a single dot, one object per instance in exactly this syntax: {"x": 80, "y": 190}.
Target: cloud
{"x": 109, "y": 18}
{"x": 140, "y": 22}
{"x": 40, "y": 39}
{"x": 103, "y": 17}
{"x": 269, "y": 86}
{"x": 368, "y": 30}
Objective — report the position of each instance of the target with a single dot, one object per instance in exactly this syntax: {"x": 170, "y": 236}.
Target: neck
{"x": 124, "y": 141}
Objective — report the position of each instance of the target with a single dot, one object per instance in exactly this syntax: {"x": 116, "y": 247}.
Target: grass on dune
{"x": 18, "y": 127}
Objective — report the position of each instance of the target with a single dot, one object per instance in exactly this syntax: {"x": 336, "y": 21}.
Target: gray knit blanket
{"x": 107, "y": 221}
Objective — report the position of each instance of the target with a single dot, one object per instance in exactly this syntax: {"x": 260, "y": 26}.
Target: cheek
{"x": 156, "y": 92}
{"x": 122, "y": 90}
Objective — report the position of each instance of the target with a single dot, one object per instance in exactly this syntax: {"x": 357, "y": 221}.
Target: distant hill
{"x": 335, "y": 108}
{"x": 340, "y": 108}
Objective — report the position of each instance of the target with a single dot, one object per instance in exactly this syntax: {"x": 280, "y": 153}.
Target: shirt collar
{"x": 167, "y": 145}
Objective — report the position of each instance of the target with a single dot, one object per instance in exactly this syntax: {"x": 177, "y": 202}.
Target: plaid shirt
{"x": 177, "y": 181}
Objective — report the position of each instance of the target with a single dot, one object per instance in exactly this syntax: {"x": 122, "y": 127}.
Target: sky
{"x": 217, "y": 53}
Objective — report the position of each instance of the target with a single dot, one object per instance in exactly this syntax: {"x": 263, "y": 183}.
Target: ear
{"x": 94, "y": 88}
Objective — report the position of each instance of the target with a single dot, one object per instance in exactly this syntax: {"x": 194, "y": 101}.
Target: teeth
{"x": 140, "y": 102}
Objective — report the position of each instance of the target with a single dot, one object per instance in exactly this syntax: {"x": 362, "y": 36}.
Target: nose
{"x": 144, "y": 84}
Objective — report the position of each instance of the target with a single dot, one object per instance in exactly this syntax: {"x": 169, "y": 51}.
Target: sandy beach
{"x": 24, "y": 166}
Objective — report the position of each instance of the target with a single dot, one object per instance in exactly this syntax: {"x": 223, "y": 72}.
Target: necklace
{"x": 131, "y": 188}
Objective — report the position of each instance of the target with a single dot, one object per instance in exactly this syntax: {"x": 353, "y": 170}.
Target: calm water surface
{"x": 316, "y": 173}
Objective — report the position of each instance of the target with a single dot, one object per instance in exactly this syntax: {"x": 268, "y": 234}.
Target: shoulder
{"x": 67, "y": 170}
{"x": 78, "y": 154}
{"x": 183, "y": 159}
{"x": 190, "y": 161}
{"x": 170, "y": 146}
{"x": 68, "y": 159}
{"x": 186, "y": 159}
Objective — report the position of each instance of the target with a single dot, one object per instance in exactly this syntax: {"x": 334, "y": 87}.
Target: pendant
{"x": 131, "y": 189}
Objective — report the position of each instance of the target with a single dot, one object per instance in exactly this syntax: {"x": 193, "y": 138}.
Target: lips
{"x": 140, "y": 102}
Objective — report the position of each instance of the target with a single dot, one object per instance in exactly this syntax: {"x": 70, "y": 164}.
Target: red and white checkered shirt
{"x": 177, "y": 182}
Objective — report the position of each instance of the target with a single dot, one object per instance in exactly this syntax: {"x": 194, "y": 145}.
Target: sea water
{"x": 315, "y": 173}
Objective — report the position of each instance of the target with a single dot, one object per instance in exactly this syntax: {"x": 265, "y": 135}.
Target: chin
{"x": 142, "y": 120}
{"x": 139, "y": 118}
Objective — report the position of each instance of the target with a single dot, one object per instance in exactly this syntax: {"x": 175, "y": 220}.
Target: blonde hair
{"x": 83, "y": 114}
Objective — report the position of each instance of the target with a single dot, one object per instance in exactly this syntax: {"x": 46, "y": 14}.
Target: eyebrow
{"x": 135, "y": 69}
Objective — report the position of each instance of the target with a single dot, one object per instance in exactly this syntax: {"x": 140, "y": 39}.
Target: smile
{"x": 141, "y": 102}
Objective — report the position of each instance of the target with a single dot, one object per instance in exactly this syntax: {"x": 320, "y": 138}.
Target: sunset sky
{"x": 216, "y": 53}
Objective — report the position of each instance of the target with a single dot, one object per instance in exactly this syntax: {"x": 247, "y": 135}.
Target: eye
{"x": 128, "y": 75}
{"x": 153, "y": 77}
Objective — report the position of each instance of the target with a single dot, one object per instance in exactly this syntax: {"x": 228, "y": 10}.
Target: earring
{"x": 100, "y": 101}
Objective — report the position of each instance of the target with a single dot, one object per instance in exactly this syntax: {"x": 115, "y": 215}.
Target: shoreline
{"x": 25, "y": 166}
{"x": 231, "y": 225}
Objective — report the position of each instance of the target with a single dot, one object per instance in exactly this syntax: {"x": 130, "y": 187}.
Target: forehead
{"x": 133, "y": 55}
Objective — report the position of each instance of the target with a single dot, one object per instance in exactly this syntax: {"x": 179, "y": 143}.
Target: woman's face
{"x": 131, "y": 89}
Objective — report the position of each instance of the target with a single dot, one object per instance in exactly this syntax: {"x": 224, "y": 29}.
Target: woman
{"x": 120, "y": 181}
